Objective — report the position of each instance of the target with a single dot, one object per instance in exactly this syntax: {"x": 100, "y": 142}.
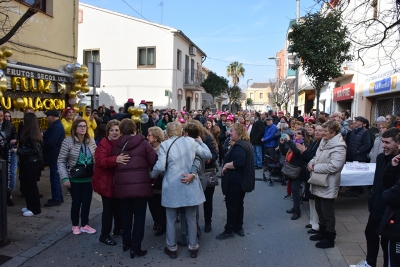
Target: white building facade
{"x": 140, "y": 60}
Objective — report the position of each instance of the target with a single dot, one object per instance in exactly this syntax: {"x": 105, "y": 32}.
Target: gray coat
{"x": 330, "y": 158}
{"x": 176, "y": 194}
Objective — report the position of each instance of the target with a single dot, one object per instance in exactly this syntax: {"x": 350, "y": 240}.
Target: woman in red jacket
{"x": 102, "y": 182}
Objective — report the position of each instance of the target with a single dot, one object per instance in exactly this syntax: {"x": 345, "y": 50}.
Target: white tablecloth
{"x": 354, "y": 178}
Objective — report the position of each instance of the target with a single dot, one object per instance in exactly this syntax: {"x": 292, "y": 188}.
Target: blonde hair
{"x": 241, "y": 131}
{"x": 157, "y": 132}
{"x": 110, "y": 124}
{"x": 174, "y": 129}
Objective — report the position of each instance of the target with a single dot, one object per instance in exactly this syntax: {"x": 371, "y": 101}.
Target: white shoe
{"x": 24, "y": 210}
{"x": 362, "y": 263}
{"x": 28, "y": 213}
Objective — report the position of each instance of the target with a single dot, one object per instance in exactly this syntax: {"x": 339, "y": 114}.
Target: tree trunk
{"x": 317, "y": 92}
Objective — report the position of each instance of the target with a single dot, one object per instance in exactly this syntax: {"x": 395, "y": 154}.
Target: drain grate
{"x": 4, "y": 259}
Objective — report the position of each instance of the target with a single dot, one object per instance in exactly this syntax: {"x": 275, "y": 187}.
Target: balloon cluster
{"x": 43, "y": 123}
{"x": 36, "y": 103}
{"x": 138, "y": 114}
{"x": 5, "y": 52}
{"x": 77, "y": 95}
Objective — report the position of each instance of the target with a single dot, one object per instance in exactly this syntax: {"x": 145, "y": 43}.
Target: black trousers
{"x": 295, "y": 187}
{"x": 111, "y": 210}
{"x": 373, "y": 243}
{"x": 157, "y": 210}
{"x": 133, "y": 207}
{"x": 234, "y": 207}
{"x": 221, "y": 152}
{"x": 208, "y": 204}
{"x": 28, "y": 176}
{"x": 326, "y": 213}
{"x": 81, "y": 194}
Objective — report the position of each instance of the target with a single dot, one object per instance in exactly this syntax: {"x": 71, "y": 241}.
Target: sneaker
{"x": 286, "y": 197}
{"x": 28, "y": 213}
{"x": 361, "y": 264}
{"x": 88, "y": 229}
{"x": 24, "y": 210}
{"x": 76, "y": 230}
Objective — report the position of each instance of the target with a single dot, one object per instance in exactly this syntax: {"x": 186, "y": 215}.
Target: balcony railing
{"x": 193, "y": 77}
{"x": 291, "y": 72}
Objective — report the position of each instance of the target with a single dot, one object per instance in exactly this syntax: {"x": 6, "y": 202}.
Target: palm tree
{"x": 235, "y": 70}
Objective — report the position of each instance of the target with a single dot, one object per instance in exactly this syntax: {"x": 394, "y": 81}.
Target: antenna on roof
{"x": 162, "y": 7}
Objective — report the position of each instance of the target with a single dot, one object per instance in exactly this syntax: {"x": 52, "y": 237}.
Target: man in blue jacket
{"x": 269, "y": 138}
{"x": 52, "y": 140}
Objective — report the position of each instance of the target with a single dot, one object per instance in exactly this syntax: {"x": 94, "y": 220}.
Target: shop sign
{"x": 345, "y": 92}
{"x": 10, "y": 71}
{"x": 381, "y": 84}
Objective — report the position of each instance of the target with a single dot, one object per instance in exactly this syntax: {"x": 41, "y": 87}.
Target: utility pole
{"x": 296, "y": 87}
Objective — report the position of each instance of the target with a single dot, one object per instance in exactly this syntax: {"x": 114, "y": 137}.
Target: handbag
{"x": 320, "y": 179}
{"x": 211, "y": 178}
{"x": 82, "y": 170}
{"x": 291, "y": 171}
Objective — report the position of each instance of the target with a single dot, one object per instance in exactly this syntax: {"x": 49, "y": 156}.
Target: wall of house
{"x": 46, "y": 39}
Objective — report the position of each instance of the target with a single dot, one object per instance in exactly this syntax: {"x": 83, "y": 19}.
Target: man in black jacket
{"x": 256, "y": 135}
{"x": 375, "y": 204}
{"x": 222, "y": 137}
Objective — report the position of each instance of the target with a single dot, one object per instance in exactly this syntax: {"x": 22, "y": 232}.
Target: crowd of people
{"x": 170, "y": 163}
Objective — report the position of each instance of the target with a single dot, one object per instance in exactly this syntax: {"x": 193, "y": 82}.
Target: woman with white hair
{"x": 176, "y": 156}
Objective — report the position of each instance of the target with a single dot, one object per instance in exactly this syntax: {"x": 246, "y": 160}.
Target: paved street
{"x": 272, "y": 239}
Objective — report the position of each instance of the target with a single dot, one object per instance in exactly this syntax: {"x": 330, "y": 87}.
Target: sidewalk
{"x": 29, "y": 236}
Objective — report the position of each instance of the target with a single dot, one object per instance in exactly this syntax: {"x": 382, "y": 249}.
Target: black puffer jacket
{"x": 211, "y": 144}
{"x": 30, "y": 152}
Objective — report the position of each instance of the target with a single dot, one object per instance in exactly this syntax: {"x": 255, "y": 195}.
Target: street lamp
{"x": 247, "y": 88}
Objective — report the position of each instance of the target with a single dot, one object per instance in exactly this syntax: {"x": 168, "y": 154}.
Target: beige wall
{"x": 45, "y": 40}
{"x": 258, "y": 102}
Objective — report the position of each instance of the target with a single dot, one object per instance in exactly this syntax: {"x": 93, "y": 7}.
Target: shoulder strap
{"x": 166, "y": 160}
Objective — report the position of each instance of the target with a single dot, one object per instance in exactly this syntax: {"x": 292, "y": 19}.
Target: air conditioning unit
{"x": 192, "y": 51}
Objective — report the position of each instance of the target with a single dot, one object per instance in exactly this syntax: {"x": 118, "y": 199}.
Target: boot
{"x": 328, "y": 242}
{"x": 321, "y": 235}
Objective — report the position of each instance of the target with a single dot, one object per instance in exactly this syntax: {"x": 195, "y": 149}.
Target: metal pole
{"x": 296, "y": 87}
{"x": 94, "y": 88}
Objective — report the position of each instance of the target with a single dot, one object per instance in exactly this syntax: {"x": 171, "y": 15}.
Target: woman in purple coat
{"x": 132, "y": 185}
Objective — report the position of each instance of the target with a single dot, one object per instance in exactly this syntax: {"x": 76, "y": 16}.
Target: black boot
{"x": 321, "y": 235}
{"x": 328, "y": 242}
{"x": 10, "y": 203}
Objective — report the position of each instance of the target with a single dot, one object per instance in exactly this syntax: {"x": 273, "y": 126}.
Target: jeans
{"x": 257, "y": 155}
{"x": 373, "y": 243}
{"x": 14, "y": 167}
{"x": 111, "y": 210}
{"x": 295, "y": 188}
{"x": 133, "y": 210}
{"x": 56, "y": 192}
{"x": 208, "y": 204}
{"x": 234, "y": 207}
{"x": 81, "y": 194}
{"x": 29, "y": 174}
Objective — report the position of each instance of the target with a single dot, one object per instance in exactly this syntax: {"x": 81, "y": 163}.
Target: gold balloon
{"x": 40, "y": 84}
{"x": 76, "y": 106}
{"x": 78, "y": 74}
{"x": 85, "y": 74}
{"x": 4, "y": 104}
{"x": 85, "y": 89}
{"x": 46, "y": 104}
{"x": 1, "y": 54}
{"x": 135, "y": 118}
{"x": 32, "y": 85}
{"x": 25, "y": 102}
{"x": 19, "y": 103}
{"x": 77, "y": 86}
{"x": 72, "y": 94}
{"x": 1, "y": 95}
{"x": 24, "y": 84}
{"x": 38, "y": 104}
{"x": 139, "y": 111}
{"x": 15, "y": 81}
{"x": 3, "y": 63}
{"x": 83, "y": 81}
{"x": 131, "y": 110}
{"x": 84, "y": 67}
{"x": 7, "y": 52}
{"x": 3, "y": 84}
{"x": 61, "y": 88}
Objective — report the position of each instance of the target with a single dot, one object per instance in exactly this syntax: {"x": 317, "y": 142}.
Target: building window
{"x": 91, "y": 55}
{"x": 146, "y": 56}
{"x": 42, "y": 4}
{"x": 251, "y": 95}
{"x": 179, "y": 60}
{"x": 261, "y": 95}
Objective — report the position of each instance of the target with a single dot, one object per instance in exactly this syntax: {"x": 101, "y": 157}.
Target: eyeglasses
{"x": 81, "y": 126}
